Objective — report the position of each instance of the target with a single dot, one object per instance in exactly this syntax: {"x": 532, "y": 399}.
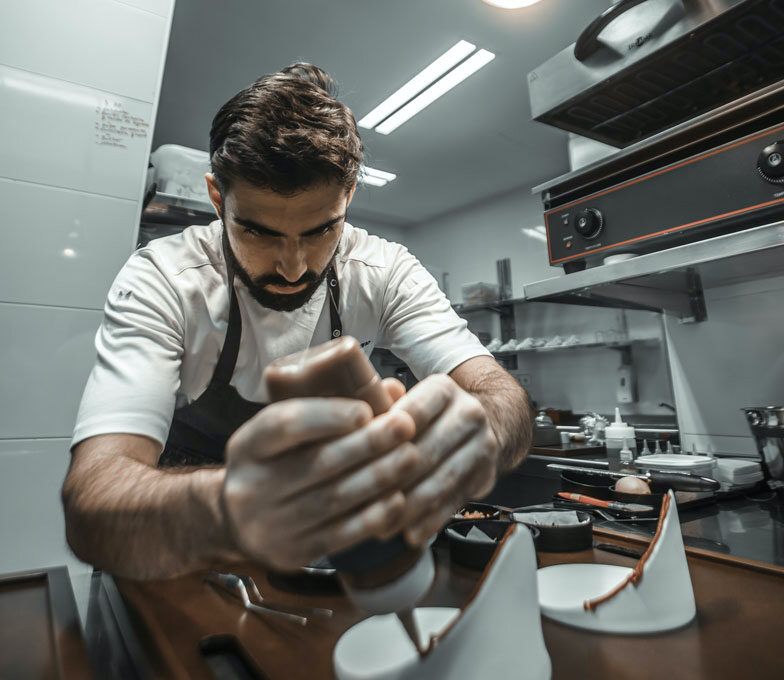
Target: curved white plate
{"x": 565, "y": 587}
{"x": 378, "y": 646}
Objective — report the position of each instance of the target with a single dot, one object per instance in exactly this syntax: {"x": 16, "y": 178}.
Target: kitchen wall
{"x": 79, "y": 85}
{"x": 466, "y": 244}
{"x": 732, "y": 360}
{"x": 385, "y": 231}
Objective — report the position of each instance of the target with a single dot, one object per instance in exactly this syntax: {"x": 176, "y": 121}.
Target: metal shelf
{"x": 171, "y": 209}
{"x": 671, "y": 280}
{"x": 498, "y": 306}
{"x": 622, "y": 344}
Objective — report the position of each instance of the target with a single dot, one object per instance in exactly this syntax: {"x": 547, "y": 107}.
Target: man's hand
{"x": 309, "y": 477}
{"x": 458, "y": 454}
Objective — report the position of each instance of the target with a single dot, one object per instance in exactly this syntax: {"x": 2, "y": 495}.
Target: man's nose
{"x": 291, "y": 263}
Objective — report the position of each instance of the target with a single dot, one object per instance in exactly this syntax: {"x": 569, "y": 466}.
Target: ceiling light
{"x": 375, "y": 178}
{"x": 510, "y": 4}
{"x": 381, "y": 174}
{"x": 454, "y": 77}
{"x": 413, "y": 87}
{"x": 539, "y": 233}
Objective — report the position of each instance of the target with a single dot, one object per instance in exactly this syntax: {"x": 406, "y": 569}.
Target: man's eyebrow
{"x": 260, "y": 228}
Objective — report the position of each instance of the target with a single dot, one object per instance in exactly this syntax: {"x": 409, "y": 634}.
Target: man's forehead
{"x": 310, "y": 199}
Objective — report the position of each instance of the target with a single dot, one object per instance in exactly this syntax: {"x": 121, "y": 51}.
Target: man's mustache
{"x": 274, "y": 280}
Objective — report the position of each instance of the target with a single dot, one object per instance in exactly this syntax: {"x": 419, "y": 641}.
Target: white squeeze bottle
{"x": 619, "y": 435}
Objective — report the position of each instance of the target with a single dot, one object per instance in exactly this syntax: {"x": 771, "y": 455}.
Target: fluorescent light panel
{"x": 454, "y": 77}
{"x": 419, "y": 82}
{"x": 381, "y": 174}
{"x": 374, "y": 177}
{"x": 511, "y": 4}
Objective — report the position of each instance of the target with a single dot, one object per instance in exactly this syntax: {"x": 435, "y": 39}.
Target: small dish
{"x": 470, "y": 552}
{"x": 560, "y": 537}
{"x": 470, "y": 510}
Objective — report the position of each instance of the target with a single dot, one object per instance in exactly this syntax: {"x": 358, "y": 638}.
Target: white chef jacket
{"x": 167, "y": 312}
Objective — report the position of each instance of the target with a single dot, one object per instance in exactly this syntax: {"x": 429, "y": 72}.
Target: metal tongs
{"x": 244, "y": 588}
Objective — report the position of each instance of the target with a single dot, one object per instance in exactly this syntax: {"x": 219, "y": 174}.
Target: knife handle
{"x": 683, "y": 482}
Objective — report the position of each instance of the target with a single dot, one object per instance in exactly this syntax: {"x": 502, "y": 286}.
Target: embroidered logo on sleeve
{"x": 120, "y": 294}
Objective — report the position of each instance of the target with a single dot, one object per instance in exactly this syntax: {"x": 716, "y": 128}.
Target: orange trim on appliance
{"x": 648, "y": 176}
{"x": 666, "y": 231}
{"x": 668, "y": 169}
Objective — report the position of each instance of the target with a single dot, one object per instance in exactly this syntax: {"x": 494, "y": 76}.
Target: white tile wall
{"x": 32, "y": 528}
{"x": 57, "y": 133}
{"x": 162, "y": 7}
{"x": 62, "y": 247}
{"x": 46, "y": 354}
{"x": 102, "y": 44}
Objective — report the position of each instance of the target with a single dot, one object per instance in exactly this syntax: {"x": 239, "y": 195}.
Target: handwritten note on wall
{"x": 114, "y": 126}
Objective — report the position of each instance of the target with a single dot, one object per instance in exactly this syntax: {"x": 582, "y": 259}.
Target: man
{"x": 177, "y": 464}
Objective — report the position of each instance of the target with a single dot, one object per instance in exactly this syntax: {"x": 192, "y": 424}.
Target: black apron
{"x": 200, "y": 430}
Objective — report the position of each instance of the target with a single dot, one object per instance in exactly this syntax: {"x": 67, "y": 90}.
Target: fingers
{"x": 427, "y": 399}
{"x": 325, "y": 504}
{"x": 462, "y": 475}
{"x": 457, "y": 423}
{"x": 294, "y": 422}
{"x": 349, "y": 531}
{"x": 322, "y": 464}
{"x": 394, "y": 388}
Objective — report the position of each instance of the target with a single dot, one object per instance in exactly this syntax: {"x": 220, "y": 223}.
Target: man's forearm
{"x": 508, "y": 409}
{"x": 142, "y": 522}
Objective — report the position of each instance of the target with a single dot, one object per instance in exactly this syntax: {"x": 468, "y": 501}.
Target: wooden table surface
{"x": 737, "y": 632}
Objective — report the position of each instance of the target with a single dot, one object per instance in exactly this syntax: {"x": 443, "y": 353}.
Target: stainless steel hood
{"x": 647, "y": 65}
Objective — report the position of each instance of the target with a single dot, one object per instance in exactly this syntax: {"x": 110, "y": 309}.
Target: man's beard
{"x": 279, "y": 302}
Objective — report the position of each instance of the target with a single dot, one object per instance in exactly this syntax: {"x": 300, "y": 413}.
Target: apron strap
{"x": 333, "y": 292}
{"x": 224, "y": 369}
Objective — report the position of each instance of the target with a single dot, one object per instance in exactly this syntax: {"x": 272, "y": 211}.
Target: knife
{"x": 679, "y": 481}
{"x": 611, "y": 505}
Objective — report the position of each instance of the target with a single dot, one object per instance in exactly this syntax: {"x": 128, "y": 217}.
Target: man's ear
{"x": 214, "y": 191}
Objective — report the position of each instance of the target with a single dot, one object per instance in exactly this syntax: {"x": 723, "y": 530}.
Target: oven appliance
{"x": 711, "y": 164}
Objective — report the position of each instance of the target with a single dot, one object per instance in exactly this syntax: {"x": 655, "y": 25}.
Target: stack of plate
{"x": 732, "y": 472}
{"x": 678, "y": 462}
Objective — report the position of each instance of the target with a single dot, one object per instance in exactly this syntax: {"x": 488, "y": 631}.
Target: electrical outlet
{"x": 524, "y": 379}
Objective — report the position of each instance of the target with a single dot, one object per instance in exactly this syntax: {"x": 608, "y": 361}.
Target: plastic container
{"x": 615, "y": 434}
{"x": 179, "y": 171}
{"x": 479, "y": 292}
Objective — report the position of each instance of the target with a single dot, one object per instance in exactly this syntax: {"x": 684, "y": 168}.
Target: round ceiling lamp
{"x": 510, "y": 4}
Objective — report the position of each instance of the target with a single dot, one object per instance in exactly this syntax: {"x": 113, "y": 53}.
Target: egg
{"x": 632, "y": 485}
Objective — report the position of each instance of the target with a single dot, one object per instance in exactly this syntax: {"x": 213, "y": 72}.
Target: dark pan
{"x": 585, "y": 484}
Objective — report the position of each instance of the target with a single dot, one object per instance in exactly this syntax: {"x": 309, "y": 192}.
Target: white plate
{"x": 565, "y": 586}
{"x": 378, "y": 646}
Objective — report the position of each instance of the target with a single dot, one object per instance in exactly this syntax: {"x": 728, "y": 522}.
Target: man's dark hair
{"x": 286, "y": 132}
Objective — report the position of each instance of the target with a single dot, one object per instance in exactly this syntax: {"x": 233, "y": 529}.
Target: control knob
{"x": 770, "y": 163}
{"x": 589, "y": 223}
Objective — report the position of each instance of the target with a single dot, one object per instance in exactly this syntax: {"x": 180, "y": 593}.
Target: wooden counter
{"x": 735, "y": 635}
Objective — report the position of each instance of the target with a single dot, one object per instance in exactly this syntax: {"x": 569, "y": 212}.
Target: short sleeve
{"x": 418, "y": 323}
{"x": 133, "y": 385}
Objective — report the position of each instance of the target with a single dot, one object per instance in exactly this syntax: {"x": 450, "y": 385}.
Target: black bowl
{"x": 470, "y": 553}
{"x": 562, "y": 538}
{"x": 488, "y": 511}
{"x": 585, "y": 484}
